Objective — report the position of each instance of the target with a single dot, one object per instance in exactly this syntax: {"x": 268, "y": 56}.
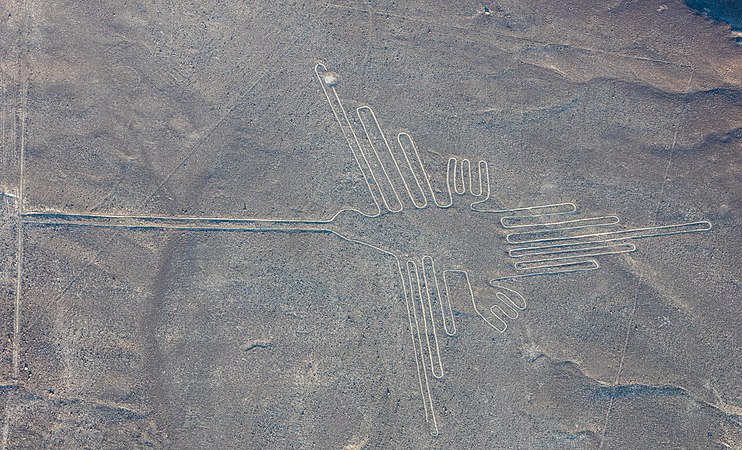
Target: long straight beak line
{"x": 174, "y": 223}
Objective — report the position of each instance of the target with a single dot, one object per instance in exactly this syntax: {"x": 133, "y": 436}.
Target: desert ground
{"x": 370, "y": 224}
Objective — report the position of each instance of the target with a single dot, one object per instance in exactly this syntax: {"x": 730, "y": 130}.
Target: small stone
{"x": 330, "y": 78}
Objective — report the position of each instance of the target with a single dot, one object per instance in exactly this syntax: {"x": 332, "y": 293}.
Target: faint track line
{"x": 23, "y": 74}
{"x": 19, "y": 208}
{"x": 192, "y": 148}
{"x": 630, "y": 324}
{"x": 3, "y": 107}
{"x": 670, "y": 159}
{"x": 508, "y": 35}
{"x": 189, "y": 150}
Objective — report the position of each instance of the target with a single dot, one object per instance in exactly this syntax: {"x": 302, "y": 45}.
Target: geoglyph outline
{"x": 546, "y": 232}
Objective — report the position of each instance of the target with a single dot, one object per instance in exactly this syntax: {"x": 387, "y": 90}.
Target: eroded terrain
{"x": 202, "y": 249}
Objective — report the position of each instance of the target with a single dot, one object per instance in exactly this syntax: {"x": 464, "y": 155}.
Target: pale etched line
{"x": 428, "y": 262}
{"x": 132, "y": 222}
{"x": 520, "y": 305}
{"x": 496, "y": 320}
{"x": 420, "y": 190}
{"x": 636, "y": 233}
{"x": 507, "y": 312}
{"x": 326, "y": 80}
{"x": 19, "y": 211}
{"x": 466, "y": 176}
{"x": 560, "y": 249}
{"x": 421, "y": 373}
{"x": 428, "y": 289}
{"x": 570, "y": 267}
{"x": 196, "y": 228}
{"x": 546, "y": 262}
{"x": 365, "y": 158}
{"x": 19, "y": 228}
{"x": 512, "y": 221}
{"x": 448, "y": 299}
{"x": 388, "y": 147}
{"x": 14, "y": 142}
{"x": 468, "y": 183}
{"x": 61, "y": 218}
{"x": 459, "y": 169}
{"x": 324, "y": 83}
{"x": 513, "y": 314}
{"x": 423, "y": 380}
{"x": 628, "y": 333}
{"x": 418, "y": 353}
{"x": 425, "y": 173}
{"x": 513, "y": 301}
{"x": 16, "y": 314}
{"x": 483, "y": 173}
{"x": 512, "y": 308}
{"x": 22, "y": 146}
{"x": 476, "y": 307}
{"x": 412, "y": 269}
{"x": 462, "y": 169}
{"x": 386, "y": 178}
{"x": 482, "y": 183}
{"x": 558, "y": 228}
{"x": 65, "y": 218}
{"x": 368, "y": 178}
{"x": 2, "y": 119}
{"x": 75, "y": 215}
{"x": 538, "y": 209}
